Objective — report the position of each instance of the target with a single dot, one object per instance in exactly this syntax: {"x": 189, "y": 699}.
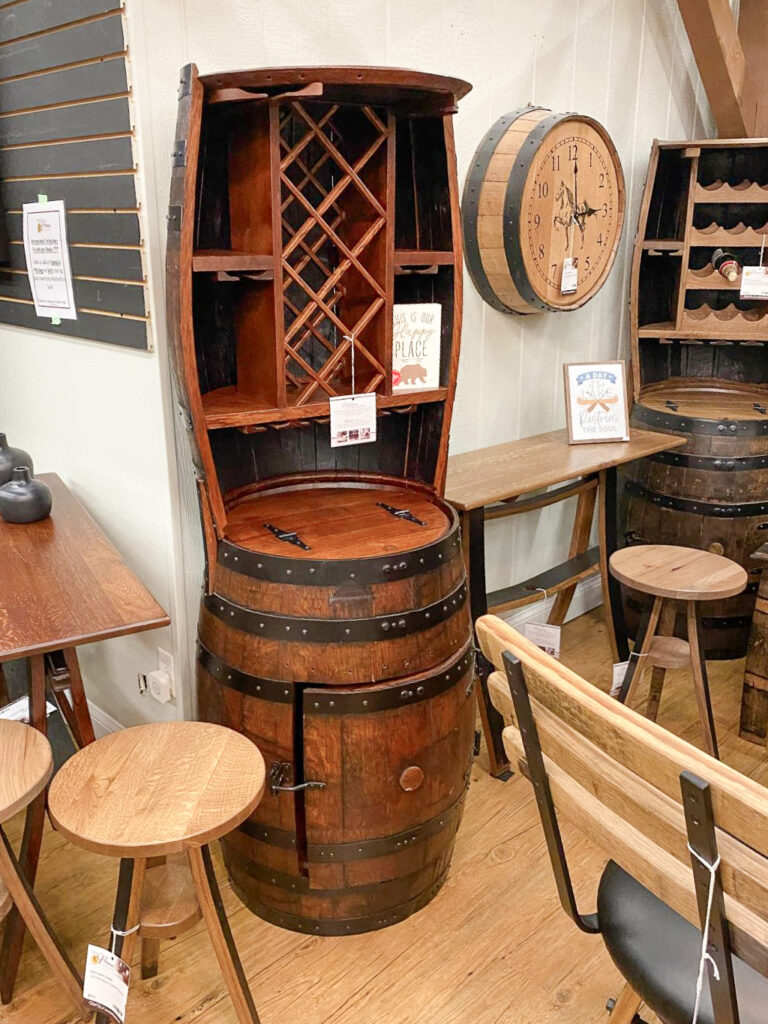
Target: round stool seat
{"x": 157, "y": 789}
{"x": 26, "y": 764}
{"x": 684, "y": 574}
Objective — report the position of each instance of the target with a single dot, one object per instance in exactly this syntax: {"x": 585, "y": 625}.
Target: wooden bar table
{"x": 492, "y": 483}
{"x": 62, "y": 585}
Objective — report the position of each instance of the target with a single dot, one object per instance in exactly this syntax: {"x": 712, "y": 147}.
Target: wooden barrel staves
{"x": 363, "y": 707}
{"x": 711, "y": 494}
{"x": 753, "y": 724}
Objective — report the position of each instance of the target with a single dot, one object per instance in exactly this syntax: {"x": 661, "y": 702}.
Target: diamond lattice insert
{"x": 333, "y": 211}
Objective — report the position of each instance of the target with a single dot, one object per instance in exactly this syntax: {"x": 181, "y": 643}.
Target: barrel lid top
{"x": 338, "y": 521}
{"x": 350, "y": 83}
{"x": 702, "y": 402}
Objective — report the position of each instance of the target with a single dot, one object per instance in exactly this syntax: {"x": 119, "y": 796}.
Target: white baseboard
{"x": 102, "y": 722}
{"x": 589, "y": 595}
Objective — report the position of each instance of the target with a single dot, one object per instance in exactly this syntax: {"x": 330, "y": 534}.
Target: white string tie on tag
{"x": 116, "y": 933}
{"x": 712, "y": 869}
{"x": 351, "y": 339}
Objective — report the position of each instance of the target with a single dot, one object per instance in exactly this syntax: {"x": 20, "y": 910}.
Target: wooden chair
{"x": 646, "y": 797}
{"x": 153, "y": 792}
{"x": 668, "y": 574}
{"x": 26, "y": 765}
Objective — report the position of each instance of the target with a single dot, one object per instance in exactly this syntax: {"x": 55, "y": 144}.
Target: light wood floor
{"x": 492, "y": 948}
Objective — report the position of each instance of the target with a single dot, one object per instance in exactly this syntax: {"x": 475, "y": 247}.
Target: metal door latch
{"x": 289, "y": 536}
{"x": 279, "y": 774}
{"x": 401, "y": 513}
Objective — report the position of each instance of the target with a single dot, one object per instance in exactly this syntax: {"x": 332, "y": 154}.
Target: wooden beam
{"x": 753, "y": 33}
{"x": 722, "y": 65}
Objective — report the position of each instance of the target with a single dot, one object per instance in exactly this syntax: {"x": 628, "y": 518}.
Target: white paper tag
{"x": 545, "y": 636}
{"x": 754, "y": 283}
{"x": 619, "y": 671}
{"x": 569, "y": 280}
{"x": 18, "y": 710}
{"x": 353, "y": 420}
{"x": 44, "y": 229}
{"x": 105, "y": 985}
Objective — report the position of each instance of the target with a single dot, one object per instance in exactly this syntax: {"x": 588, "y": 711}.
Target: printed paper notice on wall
{"x": 416, "y": 346}
{"x": 45, "y": 247}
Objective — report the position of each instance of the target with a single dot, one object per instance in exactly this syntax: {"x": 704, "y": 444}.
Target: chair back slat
{"x": 616, "y": 776}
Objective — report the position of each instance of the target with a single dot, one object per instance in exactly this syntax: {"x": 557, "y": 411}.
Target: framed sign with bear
{"x": 416, "y": 346}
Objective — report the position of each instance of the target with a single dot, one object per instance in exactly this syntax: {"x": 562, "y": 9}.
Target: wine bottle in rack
{"x": 726, "y": 263}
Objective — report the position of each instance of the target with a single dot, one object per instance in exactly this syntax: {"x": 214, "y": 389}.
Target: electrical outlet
{"x": 165, "y": 664}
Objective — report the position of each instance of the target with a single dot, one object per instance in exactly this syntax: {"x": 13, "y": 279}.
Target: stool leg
{"x": 645, "y": 634}
{"x": 626, "y": 1006}
{"x": 150, "y": 958}
{"x": 666, "y": 628}
{"x": 217, "y": 924}
{"x": 700, "y": 681}
{"x": 26, "y": 904}
{"x": 13, "y": 939}
{"x": 126, "y": 914}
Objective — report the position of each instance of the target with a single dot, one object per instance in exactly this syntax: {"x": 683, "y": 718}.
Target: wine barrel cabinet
{"x": 699, "y": 368}
{"x": 334, "y": 630}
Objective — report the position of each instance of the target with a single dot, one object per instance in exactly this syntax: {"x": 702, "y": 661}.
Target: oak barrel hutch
{"x": 700, "y": 369}
{"x": 335, "y": 628}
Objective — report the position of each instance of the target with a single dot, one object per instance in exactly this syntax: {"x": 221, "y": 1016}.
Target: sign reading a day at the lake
{"x": 596, "y": 402}
{"x": 416, "y": 346}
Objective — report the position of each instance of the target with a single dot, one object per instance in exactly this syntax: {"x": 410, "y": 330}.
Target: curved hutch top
{"x": 305, "y": 202}
{"x": 698, "y": 348}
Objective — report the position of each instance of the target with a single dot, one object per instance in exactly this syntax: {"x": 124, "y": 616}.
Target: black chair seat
{"x": 657, "y": 951}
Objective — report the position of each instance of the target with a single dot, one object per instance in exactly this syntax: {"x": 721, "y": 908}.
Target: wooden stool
{"x": 671, "y": 573}
{"x": 59, "y": 672}
{"x": 154, "y": 791}
{"x": 26, "y": 765}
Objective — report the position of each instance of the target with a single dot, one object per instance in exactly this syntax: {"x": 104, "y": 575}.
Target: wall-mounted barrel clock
{"x": 542, "y": 188}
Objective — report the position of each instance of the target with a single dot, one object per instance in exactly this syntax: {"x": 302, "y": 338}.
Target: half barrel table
{"x": 508, "y": 479}
{"x": 62, "y": 584}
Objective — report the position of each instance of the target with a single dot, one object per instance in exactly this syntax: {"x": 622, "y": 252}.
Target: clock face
{"x": 572, "y": 207}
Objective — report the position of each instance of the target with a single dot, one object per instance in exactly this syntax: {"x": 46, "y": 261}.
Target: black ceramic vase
{"x": 24, "y": 500}
{"x": 10, "y": 458}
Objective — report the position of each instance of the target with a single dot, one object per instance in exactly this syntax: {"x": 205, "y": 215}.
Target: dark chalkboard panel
{"x": 66, "y": 132}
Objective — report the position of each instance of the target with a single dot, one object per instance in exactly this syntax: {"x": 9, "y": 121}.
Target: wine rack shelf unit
{"x": 312, "y": 200}
{"x": 688, "y": 321}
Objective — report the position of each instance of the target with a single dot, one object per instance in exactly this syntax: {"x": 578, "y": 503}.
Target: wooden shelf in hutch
{"x": 722, "y": 192}
{"x": 212, "y": 260}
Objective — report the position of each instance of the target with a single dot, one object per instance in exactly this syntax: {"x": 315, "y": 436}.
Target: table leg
{"x": 4, "y": 695}
{"x": 473, "y": 529}
{"x": 29, "y": 856}
{"x": 84, "y": 732}
{"x": 700, "y": 681}
{"x": 582, "y": 527}
{"x": 612, "y": 599}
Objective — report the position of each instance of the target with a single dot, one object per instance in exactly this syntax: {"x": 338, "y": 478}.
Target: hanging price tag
{"x": 353, "y": 420}
{"x": 105, "y": 985}
{"x": 569, "y": 280}
{"x": 619, "y": 671}
{"x": 545, "y": 636}
{"x": 754, "y": 283}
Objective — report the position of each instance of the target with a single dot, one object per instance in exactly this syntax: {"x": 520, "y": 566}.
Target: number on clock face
{"x": 570, "y": 209}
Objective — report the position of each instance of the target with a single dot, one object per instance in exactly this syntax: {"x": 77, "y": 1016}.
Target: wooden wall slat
{"x": 89, "y": 261}
{"x": 67, "y": 46}
{"x": 68, "y": 158}
{"x": 106, "y": 78}
{"x": 38, "y": 15}
{"x": 113, "y": 329}
{"x": 96, "y": 228}
{"x": 103, "y": 117}
{"x": 107, "y": 192}
{"x": 110, "y": 296}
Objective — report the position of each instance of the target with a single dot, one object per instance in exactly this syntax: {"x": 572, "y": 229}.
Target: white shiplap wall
{"x": 625, "y": 62}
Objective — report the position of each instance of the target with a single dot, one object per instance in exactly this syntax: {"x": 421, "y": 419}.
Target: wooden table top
{"x": 63, "y": 584}
{"x": 504, "y": 471}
